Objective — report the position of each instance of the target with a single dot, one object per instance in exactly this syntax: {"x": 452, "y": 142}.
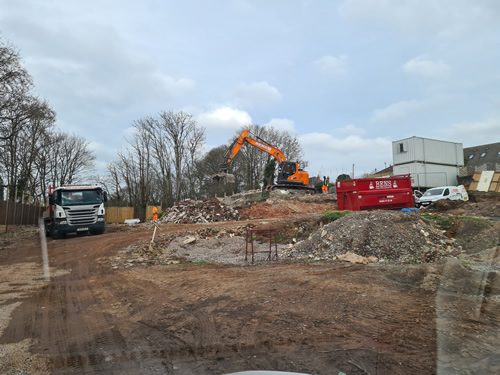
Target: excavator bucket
{"x": 222, "y": 177}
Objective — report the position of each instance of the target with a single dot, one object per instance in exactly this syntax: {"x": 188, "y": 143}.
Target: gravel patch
{"x": 221, "y": 250}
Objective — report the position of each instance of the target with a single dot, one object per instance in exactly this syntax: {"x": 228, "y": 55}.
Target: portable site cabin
{"x": 430, "y": 162}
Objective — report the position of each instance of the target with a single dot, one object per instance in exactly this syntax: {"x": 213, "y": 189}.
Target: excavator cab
{"x": 285, "y": 170}
{"x": 290, "y": 173}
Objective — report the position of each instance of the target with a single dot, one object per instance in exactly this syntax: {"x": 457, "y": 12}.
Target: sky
{"x": 347, "y": 77}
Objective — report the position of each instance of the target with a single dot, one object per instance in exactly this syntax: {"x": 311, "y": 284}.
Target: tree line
{"x": 163, "y": 162}
{"x": 33, "y": 152}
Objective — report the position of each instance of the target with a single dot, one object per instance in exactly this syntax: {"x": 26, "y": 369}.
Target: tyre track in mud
{"x": 189, "y": 319}
{"x": 65, "y": 318}
{"x": 262, "y": 310}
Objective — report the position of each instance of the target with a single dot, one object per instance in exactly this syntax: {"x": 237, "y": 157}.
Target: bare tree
{"x": 159, "y": 164}
{"x": 287, "y": 143}
{"x": 32, "y": 154}
{"x": 140, "y": 150}
{"x": 113, "y": 184}
{"x": 15, "y": 87}
{"x": 209, "y": 165}
{"x": 134, "y": 171}
{"x": 178, "y": 128}
{"x": 35, "y": 143}
{"x": 193, "y": 147}
{"x": 22, "y": 151}
{"x": 69, "y": 157}
{"x": 162, "y": 155}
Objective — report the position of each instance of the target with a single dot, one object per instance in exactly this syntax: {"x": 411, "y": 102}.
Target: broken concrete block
{"x": 189, "y": 240}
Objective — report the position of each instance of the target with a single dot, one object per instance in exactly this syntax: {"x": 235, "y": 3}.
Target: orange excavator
{"x": 290, "y": 176}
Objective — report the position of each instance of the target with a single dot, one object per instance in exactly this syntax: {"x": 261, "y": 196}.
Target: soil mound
{"x": 385, "y": 235}
{"x": 446, "y": 204}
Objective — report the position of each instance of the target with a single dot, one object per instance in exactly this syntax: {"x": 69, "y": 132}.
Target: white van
{"x": 438, "y": 193}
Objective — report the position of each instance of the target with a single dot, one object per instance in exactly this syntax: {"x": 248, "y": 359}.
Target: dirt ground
{"x": 111, "y": 306}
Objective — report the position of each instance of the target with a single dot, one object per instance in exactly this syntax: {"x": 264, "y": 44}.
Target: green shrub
{"x": 334, "y": 215}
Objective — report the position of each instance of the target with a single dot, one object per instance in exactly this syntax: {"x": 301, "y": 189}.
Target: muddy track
{"x": 216, "y": 319}
{"x": 64, "y": 317}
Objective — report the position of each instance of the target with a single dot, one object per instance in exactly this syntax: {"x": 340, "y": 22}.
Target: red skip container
{"x": 388, "y": 193}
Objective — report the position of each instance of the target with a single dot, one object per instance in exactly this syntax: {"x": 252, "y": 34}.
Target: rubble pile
{"x": 206, "y": 211}
{"x": 377, "y": 236}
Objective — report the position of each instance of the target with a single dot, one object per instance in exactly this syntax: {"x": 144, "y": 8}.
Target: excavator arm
{"x": 259, "y": 143}
{"x": 288, "y": 174}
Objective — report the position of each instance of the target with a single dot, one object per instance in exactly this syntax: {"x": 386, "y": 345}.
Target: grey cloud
{"x": 256, "y": 94}
{"x": 427, "y": 68}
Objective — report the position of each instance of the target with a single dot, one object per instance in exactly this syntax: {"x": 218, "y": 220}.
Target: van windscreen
{"x": 433, "y": 192}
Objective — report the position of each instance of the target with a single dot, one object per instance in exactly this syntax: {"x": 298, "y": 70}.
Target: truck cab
{"x": 78, "y": 209}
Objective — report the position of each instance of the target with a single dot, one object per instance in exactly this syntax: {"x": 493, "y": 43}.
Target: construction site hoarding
{"x": 366, "y": 194}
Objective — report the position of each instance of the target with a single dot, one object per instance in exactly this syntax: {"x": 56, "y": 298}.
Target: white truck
{"x": 77, "y": 209}
{"x": 438, "y": 193}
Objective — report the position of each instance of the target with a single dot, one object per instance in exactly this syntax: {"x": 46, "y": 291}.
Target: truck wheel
{"x": 56, "y": 235}
{"x": 96, "y": 232}
{"x": 53, "y": 234}
{"x": 46, "y": 227}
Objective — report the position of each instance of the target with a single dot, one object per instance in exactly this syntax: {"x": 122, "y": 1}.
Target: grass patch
{"x": 334, "y": 215}
{"x": 443, "y": 222}
{"x": 465, "y": 263}
{"x": 201, "y": 262}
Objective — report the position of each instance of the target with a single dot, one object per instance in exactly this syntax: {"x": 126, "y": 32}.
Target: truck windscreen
{"x": 79, "y": 197}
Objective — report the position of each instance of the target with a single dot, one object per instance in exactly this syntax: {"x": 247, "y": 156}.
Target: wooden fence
{"x": 15, "y": 213}
{"x": 120, "y": 214}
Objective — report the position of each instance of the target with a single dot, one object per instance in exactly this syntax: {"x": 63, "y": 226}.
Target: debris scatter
{"x": 205, "y": 211}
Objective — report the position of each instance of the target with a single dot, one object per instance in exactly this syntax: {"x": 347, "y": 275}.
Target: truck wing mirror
{"x": 104, "y": 196}
{"x": 51, "y": 199}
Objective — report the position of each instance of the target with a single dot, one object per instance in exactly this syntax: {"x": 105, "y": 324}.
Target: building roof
{"x": 479, "y": 155}
{"x": 427, "y": 139}
{"x": 382, "y": 173}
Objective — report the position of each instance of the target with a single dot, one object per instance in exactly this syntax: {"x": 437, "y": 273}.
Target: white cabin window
{"x": 402, "y": 147}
